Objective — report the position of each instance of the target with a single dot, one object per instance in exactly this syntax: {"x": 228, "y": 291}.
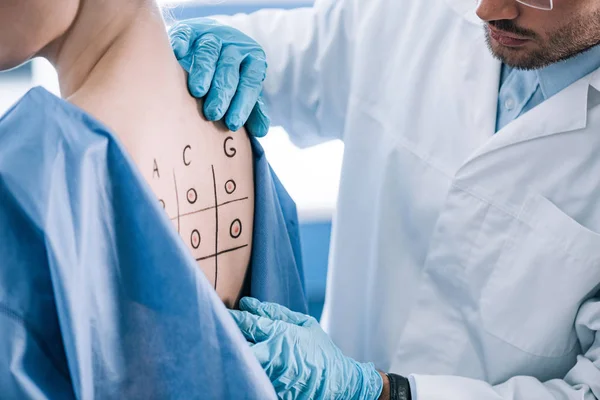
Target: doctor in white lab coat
{"x": 464, "y": 257}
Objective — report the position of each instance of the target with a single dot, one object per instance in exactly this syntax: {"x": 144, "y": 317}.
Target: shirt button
{"x": 509, "y": 104}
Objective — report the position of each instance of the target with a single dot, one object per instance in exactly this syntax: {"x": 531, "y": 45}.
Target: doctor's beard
{"x": 569, "y": 40}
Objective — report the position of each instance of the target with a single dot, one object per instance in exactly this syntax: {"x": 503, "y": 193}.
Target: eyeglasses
{"x": 539, "y": 4}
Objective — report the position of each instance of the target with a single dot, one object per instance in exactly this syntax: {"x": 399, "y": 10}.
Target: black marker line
{"x": 210, "y": 208}
{"x": 177, "y": 201}
{"x": 233, "y": 201}
{"x": 212, "y": 167}
{"x": 221, "y": 252}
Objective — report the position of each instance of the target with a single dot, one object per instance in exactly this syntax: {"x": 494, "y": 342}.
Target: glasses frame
{"x": 525, "y": 2}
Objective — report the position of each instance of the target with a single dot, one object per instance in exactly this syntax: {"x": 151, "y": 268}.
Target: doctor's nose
{"x": 494, "y": 10}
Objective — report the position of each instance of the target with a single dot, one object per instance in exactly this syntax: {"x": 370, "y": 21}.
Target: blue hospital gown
{"x": 99, "y": 297}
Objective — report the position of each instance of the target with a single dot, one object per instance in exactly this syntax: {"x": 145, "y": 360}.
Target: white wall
{"x": 311, "y": 175}
{"x": 11, "y": 91}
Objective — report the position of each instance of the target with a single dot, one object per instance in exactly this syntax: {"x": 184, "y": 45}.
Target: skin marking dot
{"x": 192, "y": 196}
{"x": 230, "y": 186}
{"x": 235, "y": 229}
{"x": 195, "y": 239}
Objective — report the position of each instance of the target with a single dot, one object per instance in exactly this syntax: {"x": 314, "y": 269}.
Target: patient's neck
{"x": 118, "y": 57}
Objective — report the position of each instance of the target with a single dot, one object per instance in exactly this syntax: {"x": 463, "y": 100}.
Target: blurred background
{"x": 311, "y": 176}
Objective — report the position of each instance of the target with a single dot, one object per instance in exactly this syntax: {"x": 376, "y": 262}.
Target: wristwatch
{"x": 399, "y": 387}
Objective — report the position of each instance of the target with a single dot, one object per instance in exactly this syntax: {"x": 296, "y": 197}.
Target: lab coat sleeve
{"x": 582, "y": 382}
{"x": 309, "y": 53}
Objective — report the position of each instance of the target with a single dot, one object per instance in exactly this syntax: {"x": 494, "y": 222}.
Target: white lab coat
{"x": 468, "y": 259}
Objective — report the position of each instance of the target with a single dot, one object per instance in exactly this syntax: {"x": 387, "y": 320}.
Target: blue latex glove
{"x": 228, "y": 68}
{"x": 300, "y": 359}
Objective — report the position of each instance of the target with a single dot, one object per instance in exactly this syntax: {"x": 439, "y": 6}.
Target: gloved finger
{"x": 263, "y": 352}
{"x": 224, "y": 84}
{"x": 259, "y": 122}
{"x": 205, "y": 56}
{"x": 274, "y": 311}
{"x": 255, "y": 329}
{"x": 182, "y": 37}
{"x": 253, "y": 71}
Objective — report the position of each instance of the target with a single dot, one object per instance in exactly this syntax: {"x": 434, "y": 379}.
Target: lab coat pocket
{"x": 547, "y": 269}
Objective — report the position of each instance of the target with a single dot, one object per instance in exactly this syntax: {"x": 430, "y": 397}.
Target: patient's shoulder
{"x": 29, "y": 115}
{"x": 45, "y": 140}
{"x": 40, "y": 115}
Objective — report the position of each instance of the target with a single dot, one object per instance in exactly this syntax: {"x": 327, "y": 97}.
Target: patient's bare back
{"x": 204, "y": 182}
{"x": 205, "y": 185}
{"x": 202, "y": 174}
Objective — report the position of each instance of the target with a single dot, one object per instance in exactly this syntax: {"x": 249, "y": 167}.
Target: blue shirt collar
{"x": 558, "y": 76}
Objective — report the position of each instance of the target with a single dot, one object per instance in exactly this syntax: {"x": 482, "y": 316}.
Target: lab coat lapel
{"x": 564, "y": 112}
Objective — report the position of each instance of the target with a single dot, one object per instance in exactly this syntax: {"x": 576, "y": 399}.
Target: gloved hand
{"x": 300, "y": 359}
{"x": 228, "y": 68}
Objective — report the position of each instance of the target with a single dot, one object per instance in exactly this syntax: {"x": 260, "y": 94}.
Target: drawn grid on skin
{"x": 217, "y": 253}
{"x": 231, "y": 153}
